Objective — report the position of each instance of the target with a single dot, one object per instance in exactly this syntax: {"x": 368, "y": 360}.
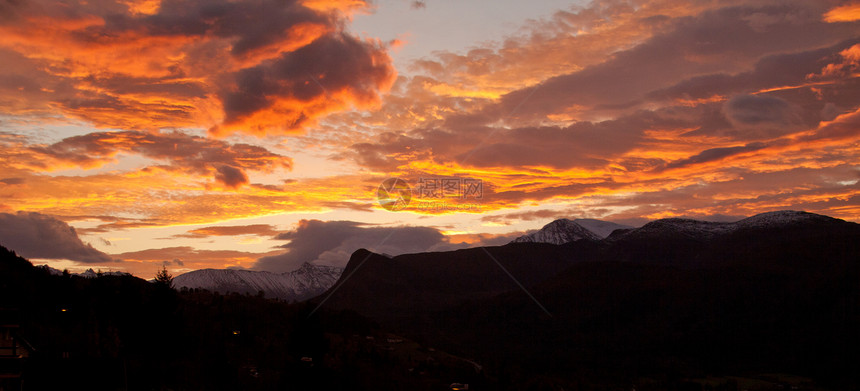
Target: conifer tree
{"x": 163, "y": 277}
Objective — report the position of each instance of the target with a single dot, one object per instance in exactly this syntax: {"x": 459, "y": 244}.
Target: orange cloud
{"x": 231, "y": 230}
{"x": 848, "y": 67}
{"x": 659, "y": 109}
{"x": 166, "y": 64}
{"x": 327, "y": 75}
{"x": 843, "y": 13}
{"x": 228, "y": 163}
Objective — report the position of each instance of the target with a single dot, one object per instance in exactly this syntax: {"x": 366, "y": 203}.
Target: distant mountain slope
{"x": 89, "y": 273}
{"x": 790, "y": 236}
{"x": 706, "y": 229}
{"x": 305, "y": 282}
{"x": 564, "y": 231}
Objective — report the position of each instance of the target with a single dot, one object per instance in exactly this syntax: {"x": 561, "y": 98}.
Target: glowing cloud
{"x": 229, "y": 66}
{"x": 843, "y": 13}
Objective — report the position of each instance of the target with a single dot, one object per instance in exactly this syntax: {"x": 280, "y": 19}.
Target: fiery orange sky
{"x": 255, "y": 134}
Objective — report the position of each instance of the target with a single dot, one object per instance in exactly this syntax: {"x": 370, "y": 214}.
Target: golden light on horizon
{"x": 123, "y": 125}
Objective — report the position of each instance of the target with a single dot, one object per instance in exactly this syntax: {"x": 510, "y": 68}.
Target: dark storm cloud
{"x": 333, "y": 63}
{"x": 177, "y": 63}
{"x": 713, "y": 154}
{"x": 230, "y": 176}
{"x": 13, "y": 181}
{"x": 254, "y": 23}
{"x": 761, "y": 116}
{"x": 34, "y": 235}
{"x": 332, "y": 242}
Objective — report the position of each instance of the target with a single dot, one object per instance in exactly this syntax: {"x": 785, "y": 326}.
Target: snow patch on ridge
{"x": 306, "y": 282}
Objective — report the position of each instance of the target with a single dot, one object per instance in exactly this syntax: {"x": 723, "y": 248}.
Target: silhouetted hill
{"x": 775, "y": 238}
{"x": 663, "y": 306}
{"x": 388, "y": 288}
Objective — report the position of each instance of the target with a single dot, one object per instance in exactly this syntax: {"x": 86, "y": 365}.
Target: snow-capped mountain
{"x": 679, "y": 227}
{"x": 707, "y": 229}
{"x": 564, "y": 231}
{"x": 89, "y": 273}
{"x": 781, "y": 218}
{"x": 305, "y": 282}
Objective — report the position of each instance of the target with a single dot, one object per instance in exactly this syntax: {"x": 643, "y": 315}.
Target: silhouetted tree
{"x": 163, "y": 277}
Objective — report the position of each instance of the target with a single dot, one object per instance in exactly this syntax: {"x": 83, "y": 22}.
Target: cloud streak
{"x": 231, "y": 230}
{"x": 227, "y": 162}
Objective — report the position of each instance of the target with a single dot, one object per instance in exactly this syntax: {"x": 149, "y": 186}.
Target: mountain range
{"x": 777, "y": 292}
{"x": 311, "y": 280}
{"x": 305, "y": 282}
{"x": 89, "y": 273}
{"x": 386, "y": 286}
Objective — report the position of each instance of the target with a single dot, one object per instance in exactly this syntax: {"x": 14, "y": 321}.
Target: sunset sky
{"x": 256, "y": 133}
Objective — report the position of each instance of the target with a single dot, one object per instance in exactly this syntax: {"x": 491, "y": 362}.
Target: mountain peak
{"x": 565, "y": 230}
{"x": 558, "y": 232}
